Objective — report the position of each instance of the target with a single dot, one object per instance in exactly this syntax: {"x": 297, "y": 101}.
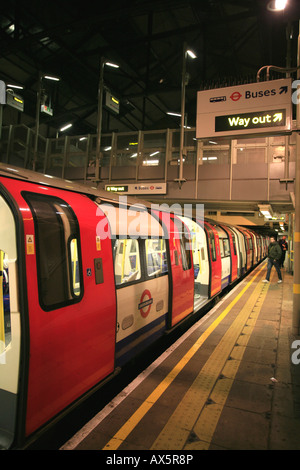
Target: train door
{"x": 10, "y": 327}
{"x": 181, "y": 276}
{"x": 241, "y": 250}
{"x": 214, "y": 258}
{"x": 233, "y": 253}
{"x": 200, "y": 261}
{"x": 253, "y": 247}
{"x": 225, "y": 255}
{"x": 247, "y": 248}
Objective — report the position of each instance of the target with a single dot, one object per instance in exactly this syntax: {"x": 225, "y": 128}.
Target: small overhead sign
{"x": 15, "y": 101}
{"x": 112, "y": 103}
{"x": 46, "y": 109}
{"x": 263, "y": 107}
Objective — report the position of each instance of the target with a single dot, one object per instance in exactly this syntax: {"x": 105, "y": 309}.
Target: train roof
{"x": 60, "y": 183}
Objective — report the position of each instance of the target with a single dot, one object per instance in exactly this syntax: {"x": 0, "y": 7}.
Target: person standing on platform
{"x": 274, "y": 257}
{"x": 284, "y": 247}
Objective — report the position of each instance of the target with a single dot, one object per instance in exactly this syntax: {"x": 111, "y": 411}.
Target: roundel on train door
{"x": 146, "y": 301}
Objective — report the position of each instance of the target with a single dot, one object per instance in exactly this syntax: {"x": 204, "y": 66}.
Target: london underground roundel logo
{"x": 235, "y": 96}
{"x": 146, "y": 301}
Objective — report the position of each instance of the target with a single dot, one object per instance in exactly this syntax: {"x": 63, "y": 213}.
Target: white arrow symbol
{"x": 277, "y": 117}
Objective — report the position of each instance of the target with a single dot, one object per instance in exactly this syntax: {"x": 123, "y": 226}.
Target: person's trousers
{"x": 282, "y": 259}
{"x": 273, "y": 262}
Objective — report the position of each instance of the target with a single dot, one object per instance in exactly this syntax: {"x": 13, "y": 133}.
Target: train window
{"x": 212, "y": 246}
{"x": 75, "y": 274}
{"x": 226, "y": 247}
{"x": 221, "y": 247}
{"x": 156, "y": 257}
{"x": 5, "y": 327}
{"x": 185, "y": 245}
{"x": 126, "y": 260}
{"x": 57, "y": 245}
{"x": 234, "y": 244}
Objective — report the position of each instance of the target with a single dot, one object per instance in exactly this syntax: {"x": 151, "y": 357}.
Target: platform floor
{"x": 228, "y": 383}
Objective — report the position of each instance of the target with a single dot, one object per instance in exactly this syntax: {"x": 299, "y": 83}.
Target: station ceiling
{"x": 232, "y": 39}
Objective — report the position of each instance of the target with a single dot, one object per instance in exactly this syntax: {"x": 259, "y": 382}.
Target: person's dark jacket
{"x": 274, "y": 251}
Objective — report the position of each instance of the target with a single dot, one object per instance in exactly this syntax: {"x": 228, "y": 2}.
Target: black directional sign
{"x": 244, "y": 121}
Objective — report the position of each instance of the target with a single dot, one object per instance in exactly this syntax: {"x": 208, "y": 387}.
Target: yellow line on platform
{"x": 184, "y": 419}
{"x": 130, "y": 424}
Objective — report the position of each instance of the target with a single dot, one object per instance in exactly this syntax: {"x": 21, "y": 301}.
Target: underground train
{"x": 88, "y": 283}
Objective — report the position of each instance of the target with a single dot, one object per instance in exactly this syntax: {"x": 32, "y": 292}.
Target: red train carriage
{"x": 82, "y": 295}
{"x": 67, "y": 329}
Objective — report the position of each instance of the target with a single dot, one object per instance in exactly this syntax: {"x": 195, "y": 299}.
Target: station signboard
{"x": 46, "y": 109}
{"x": 112, "y": 103}
{"x": 263, "y": 107}
{"x": 151, "y": 188}
{"x": 15, "y": 101}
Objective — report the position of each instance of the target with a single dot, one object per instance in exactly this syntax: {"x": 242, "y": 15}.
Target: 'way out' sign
{"x": 264, "y": 108}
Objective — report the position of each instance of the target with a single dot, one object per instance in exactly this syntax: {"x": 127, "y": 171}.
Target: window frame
{"x": 32, "y": 197}
{"x": 143, "y": 261}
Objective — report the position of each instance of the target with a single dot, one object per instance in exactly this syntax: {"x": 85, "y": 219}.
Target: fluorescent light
{"x": 277, "y": 5}
{"x": 266, "y": 214}
{"x": 266, "y": 210}
{"x": 150, "y": 162}
{"x": 65, "y": 127}
{"x": 174, "y": 114}
{"x": 154, "y": 153}
{"x": 49, "y": 77}
{"x": 15, "y": 86}
{"x": 110, "y": 64}
{"x": 191, "y": 54}
{"x": 280, "y": 4}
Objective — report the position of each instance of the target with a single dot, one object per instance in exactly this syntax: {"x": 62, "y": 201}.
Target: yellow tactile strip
{"x": 201, "y": 407}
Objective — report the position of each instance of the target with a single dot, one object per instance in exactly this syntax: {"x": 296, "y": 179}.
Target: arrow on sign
{"x": 277, "y": 117}
{"x": 283, "y": 89}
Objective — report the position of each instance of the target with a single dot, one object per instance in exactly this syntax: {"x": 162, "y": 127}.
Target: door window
{"x": 5, "y": 325}
{"x": 58, "y": 251}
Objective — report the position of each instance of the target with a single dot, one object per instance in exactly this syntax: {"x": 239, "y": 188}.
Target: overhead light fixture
{"x": 277, "y": 5}
{"x": 50, "y": 77}
{"x": 266, "y": 210}
{"x": 191, "y": 54}
{"x": 110, "y": 64}
{"x": 19, "y": 87}
{"x": 64, "y": 128}
{"x": 150, "y": 162}
{"x": 173, "y": 114}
